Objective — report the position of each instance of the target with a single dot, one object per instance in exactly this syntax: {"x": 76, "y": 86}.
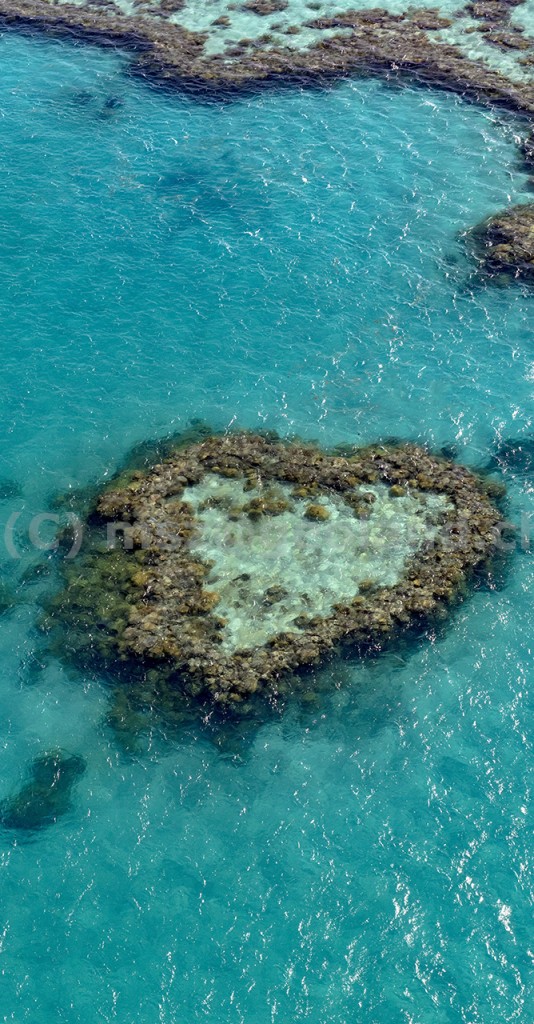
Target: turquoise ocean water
{"x": 290, "y": 261}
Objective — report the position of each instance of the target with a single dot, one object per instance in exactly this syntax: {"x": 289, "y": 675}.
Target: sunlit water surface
{"x": 288, "y": 261}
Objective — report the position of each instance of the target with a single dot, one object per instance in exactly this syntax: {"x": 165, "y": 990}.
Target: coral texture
{"x": 505, "y": 242}
{"x": 368, "y": 42}
{"x": 162, "y": 602}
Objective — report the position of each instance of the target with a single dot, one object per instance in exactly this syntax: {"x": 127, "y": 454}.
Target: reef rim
{"x": 150, "y": 603}
{"x": 364, "y": 42}
{"x": 504, "y": 243}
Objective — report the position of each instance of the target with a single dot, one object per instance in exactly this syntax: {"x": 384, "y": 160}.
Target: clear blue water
{"x": 289, "y": 261}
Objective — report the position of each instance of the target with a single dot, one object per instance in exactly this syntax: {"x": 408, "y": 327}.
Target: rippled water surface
{"x": 288, "y": 261}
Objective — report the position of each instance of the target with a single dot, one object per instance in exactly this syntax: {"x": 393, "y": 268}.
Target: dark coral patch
{"x": 369, "y": 41}
{"x": 505, "y": 242}
{"x": 46, "y": 795}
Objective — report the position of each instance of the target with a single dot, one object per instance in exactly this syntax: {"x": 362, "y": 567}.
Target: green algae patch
{"x": 207, "y": 576}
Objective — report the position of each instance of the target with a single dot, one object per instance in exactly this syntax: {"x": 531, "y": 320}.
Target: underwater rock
{"x": 166, "y": 7}
{"x": 82, "y": 97}
{"x": 46, "y": 795}
{"x": 126, "y": 721}
{"x": 8, "y": 598}
{"x": 113, "y": 103}
{"x": 317, "y": 512}
{"x": 275, "y": 594}
{"x": 264, "y": 7}
{"x": 36, "y": 572}
{"x": 268, "y": 504}
{"x": 32, "y": 667}
{"x": 218, "y": 605}
{"x": 508, "y": 40}
{"x": 428, "y": 18}
{"x": 504, "y": 243}
{"x": 516, "y": 455}
{"x": 9, "y": 489}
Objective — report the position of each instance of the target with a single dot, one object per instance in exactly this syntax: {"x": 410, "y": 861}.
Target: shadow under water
{"x": 515, "y": 455}
{"x": 46, "y": 795}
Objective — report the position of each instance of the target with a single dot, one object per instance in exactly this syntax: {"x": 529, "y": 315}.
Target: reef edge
{"x": 370, "y": 42}
{"x": 147, "y": 604}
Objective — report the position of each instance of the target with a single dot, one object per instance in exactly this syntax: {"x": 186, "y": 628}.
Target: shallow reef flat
{"x": 280, "y": 553}
{"x": 246, "y": 558}
{"x": 483, "y": 49}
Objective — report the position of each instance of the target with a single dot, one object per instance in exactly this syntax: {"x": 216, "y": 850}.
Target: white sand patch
{"x": 271, "y": 570}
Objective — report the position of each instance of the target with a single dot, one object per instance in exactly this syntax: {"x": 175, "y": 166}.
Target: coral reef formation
{"x": 265, "y": 7}
{"x": 504, "y": 243}
{"x": 246, "y": 558}
{"x": 496, "y": 25}
{"x": 46, "y": 795}
{"x": 352, "y": 42}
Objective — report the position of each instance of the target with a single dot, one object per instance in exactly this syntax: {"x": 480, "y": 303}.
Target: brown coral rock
{"x": 318, "y": 513}
{"x": 505, "y": 242}
{"x": 264, "y": 7}
{"x": 372, "y": 41}
{"x": 154, "y": 606}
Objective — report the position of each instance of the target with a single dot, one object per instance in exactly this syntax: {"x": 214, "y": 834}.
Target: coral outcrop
{"x": 246, "y": 558}
{"x": 505, "y": 242}
{"x": 46, "y": 795}
{"x": 265, "y": 7}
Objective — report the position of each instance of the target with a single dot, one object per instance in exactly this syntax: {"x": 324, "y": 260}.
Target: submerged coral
{"x": 226, "y": 583}
{"x": 8, "y": 598}
{"x": 505, "y": 242}
{"x": 264, "y": 7}
{"x": 515, "y": 455}
{"x": 9, "y": 489}
{"x": 356, "y": 42}
{"x": 47, "y": 793}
